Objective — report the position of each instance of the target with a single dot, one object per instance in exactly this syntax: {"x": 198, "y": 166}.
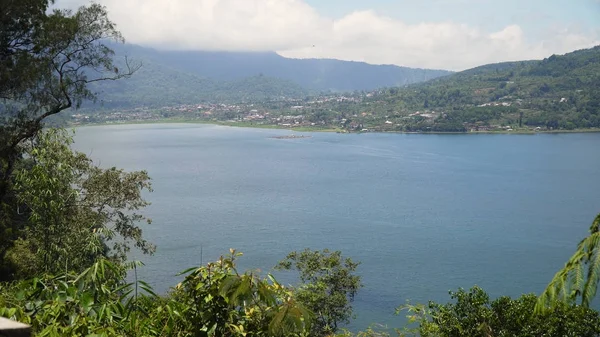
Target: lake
{"x": 424, "y": 214}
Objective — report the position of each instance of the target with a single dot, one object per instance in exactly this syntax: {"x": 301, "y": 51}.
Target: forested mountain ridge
{"x": 558, "y": 92}
{"x": 188, "y": 77}
{"x": 313, "y": 74}
{"x": 157, "y": 85}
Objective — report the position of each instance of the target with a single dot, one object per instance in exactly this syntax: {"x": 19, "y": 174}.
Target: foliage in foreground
{"x": 473, "y": 314}
{"x": 212, "y": 300}
{"x": 72, "y": 211}
{"x": 48, "y": 59}
{"x": 94, "y": 302}
{"x": 328, "y": 286}
{"x": 580, "y": 275}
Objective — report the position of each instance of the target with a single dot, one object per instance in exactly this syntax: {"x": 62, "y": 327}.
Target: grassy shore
{"x": 220, "y": 123}
{"x": 325, "y": 129}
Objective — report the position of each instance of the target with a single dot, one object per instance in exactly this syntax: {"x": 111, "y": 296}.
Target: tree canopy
{"x": 76, "y": 211}
{"x": 473, "y": 314}
{"x": 48, "y": 60}
{"x": 328, "y": 286}
{"x": 212, "y": 300}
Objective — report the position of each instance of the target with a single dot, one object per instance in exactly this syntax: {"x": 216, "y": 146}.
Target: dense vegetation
{"x": 169, "y": 78}
{"x": 46, "y": 191}
{"x": 472, "y": 313}
{"x": 212, "y": 300}
{"x": 66, "y": 226}
{"x": 328, "y": 286}
{"x": 156, "y": 85}
{"x": 559, "y": 92}
{"x": 312, "y": 74}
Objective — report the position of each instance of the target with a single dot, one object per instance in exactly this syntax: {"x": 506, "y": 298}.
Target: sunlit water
{"x": 423, "y": 213}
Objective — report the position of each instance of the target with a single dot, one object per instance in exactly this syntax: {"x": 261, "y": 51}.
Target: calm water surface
{"x": 423, "y": 213}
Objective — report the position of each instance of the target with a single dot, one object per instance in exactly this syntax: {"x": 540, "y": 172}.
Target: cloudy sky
{"x": 442, "y": 34}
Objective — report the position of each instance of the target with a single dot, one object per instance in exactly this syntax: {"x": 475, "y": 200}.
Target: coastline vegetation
{"x": 330, "y": 129}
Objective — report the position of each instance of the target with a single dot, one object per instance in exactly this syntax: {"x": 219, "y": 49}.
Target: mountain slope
{"x": 313, "y": 74}
{"x": 559, "y": 92}
{"x": 158, "y": 85}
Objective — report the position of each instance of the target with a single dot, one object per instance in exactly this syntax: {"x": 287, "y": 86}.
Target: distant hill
{"x": 559, "y": 92}
{"x": 313, "y": 74}
{"x": 190, "y": 76}
{"x": 157, "y": 85}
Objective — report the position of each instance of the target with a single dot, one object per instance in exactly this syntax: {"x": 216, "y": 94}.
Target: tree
{"x": 47, "y": 62}
{"x": 212, "y": 300}
{"x": 216, "y": 300}
{"x": 520, "y": 118}
{"x": 328, "y": 286}
{"x": 92, "y": 303}
{"x": 75, "y": 209}
{"x": 579, "y": 277}
{"x": 473, "y": 314}
{"x": 19, "y": 21}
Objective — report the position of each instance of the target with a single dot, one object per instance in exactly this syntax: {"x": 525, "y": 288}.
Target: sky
{"x": 439, "y": 34}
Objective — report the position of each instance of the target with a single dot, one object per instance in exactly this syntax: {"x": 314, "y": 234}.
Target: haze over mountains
{"x": 171, "y": 77}
{"x": 314, "y": 74}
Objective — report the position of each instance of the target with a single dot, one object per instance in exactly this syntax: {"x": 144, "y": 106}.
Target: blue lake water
{"x": 423, "y": 213}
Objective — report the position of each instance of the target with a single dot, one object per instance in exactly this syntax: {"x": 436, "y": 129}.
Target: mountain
{"x": 157, "y": 85}
{"x": 191, "y": 76}
{"x": 559, "y": 92}
{"x": 314, "y": 74}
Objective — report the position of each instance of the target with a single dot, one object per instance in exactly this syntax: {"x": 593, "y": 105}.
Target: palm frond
{"x": 580, "y": 275}
{"x": 591, "y": 284}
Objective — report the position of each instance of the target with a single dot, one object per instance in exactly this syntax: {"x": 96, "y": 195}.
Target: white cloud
{"x": 214, "y": 24}
{"x": 295, "y": 29}
{"x": 367, "y": 36}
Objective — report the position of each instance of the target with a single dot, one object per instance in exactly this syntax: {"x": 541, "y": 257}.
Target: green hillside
{"x": 314, "y": 74}
{"x": 157, "y": 85}
{"x": 559, "y": 92}
{"x": 169, "y": 78}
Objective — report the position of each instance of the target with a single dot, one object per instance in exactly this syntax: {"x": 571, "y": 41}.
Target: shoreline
{"x": 340, "y": 131}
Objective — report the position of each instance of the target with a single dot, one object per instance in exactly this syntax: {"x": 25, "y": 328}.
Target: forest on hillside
{"x": 557, "y": 93}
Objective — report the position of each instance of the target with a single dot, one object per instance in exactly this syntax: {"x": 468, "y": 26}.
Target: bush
{"x": 472, "y": 314}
